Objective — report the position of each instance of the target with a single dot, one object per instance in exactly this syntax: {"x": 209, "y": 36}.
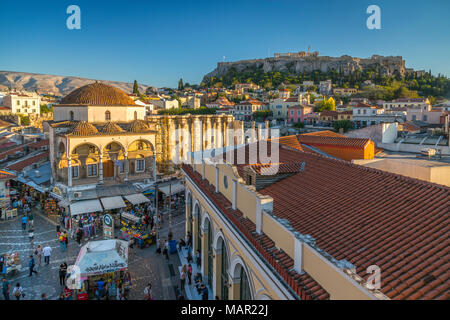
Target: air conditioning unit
{"x": 77, "y": 194}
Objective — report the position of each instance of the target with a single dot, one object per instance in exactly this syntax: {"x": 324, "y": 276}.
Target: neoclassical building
{"x": 100, "y": 136}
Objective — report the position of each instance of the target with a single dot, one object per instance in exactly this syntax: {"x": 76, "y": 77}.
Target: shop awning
{"x": 113, "y": 203}
{"x": 137, "y": 198}
{"x": 64, "y": 203}
{"x": 86, "y": 206}
{"x": 130, "y": 217}
{"x": 174, "y": 189}
{"x": 103, "y": 256}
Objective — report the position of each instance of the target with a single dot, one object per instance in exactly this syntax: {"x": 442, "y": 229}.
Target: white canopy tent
{"x": 85, "y": 206}
{"x": 113, "y": 203}
{"x": 99, "y": 257}
{"x": 137, "y": 198}
{"x": 173, "y": 189}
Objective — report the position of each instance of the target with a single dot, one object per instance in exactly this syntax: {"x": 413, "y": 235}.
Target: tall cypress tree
{"x": 180, "y": 84}
{"x": 135, "y": 88}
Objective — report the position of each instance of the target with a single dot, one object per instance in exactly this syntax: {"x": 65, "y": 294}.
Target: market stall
{"x": 85, "y": 214}
{"x": 105, "y": 260}
{"x": 12, "y": 263}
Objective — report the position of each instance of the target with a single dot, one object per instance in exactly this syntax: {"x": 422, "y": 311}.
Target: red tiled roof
{"x": 39, "y": 144}
{"x": 365, "y": 105}
{"x": 370, "y": 217}
{"x": 324, "y": 133}
{"x": 251, "y": 102}
{"x": 333, "y": 140}
{"x": 290, "y": 141}
{"x": 329, "y": 113}
{"x": 19, "y": 166}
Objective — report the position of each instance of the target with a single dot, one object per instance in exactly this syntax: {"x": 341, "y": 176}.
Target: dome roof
{"x": 138, "y": 126}
{"x": 98, "y": 94}
{"x": 111, "y": 128}
{"x": 84, "y": 128}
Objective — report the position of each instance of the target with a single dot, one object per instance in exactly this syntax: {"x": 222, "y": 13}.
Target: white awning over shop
{"x": 174, "y": 189}
{"x": 130, "y": 217}
{"x": 100, "y": 257}
{"x": 113, "y": 203}
{"x": 137, "y": 198}
{"x": 85, "y": 206}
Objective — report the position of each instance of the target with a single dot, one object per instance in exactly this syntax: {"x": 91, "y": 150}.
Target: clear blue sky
{"x": 157, "y": 42}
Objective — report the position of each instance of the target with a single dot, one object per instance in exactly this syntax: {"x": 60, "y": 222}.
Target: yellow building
{"x": 313, "y": 227}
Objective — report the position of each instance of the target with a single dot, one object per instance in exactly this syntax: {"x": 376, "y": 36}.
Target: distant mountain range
{"x": 56, "y": 85}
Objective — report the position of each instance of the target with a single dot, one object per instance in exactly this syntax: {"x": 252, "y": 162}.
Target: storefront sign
{"x": 105, "y": 268}
{"x": 108, "y": 227}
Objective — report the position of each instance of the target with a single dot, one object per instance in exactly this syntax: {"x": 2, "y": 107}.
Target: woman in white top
{"x": 18, "y": 291}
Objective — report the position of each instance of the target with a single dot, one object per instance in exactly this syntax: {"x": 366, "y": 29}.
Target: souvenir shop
{"x": 87, "y": 215}
{"x": 171, "y": 196}
{"x": 131, "y": 221}
{"x": 105, "y": 260}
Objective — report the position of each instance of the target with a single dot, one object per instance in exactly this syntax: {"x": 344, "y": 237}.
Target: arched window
{"x": 199, "y": 228}
{"x": 108, "y": 115}
{"x": 209, "y": 251}
{"x": 245, "y": 293}
{"x": 71, "y": 116}
{"x": 224, "y": 274}
{"x": 135, "y": 115}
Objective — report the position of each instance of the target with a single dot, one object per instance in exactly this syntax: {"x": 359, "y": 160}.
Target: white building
{"x": 23, "y": 103}
{"x": 407, "y": 102}
{"x": 166, "y": 104}
{"x": 325, "y": 87}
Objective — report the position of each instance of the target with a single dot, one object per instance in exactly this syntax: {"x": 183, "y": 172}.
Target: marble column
{"x": 69, "y": 172}
{"x": 127, "y": 166}
{"x": 100, "y": 168}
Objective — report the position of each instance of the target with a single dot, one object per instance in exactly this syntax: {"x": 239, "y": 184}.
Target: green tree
{"x": 329, "y": 105}
{"x": 135, "y": 88}
{"x": 46, "y": 109}
{"x": 345, "y": 124}
{"x": 24, "y": 120}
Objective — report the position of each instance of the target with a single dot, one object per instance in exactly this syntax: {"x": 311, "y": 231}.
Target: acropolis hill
{"x": 296, "y": 63}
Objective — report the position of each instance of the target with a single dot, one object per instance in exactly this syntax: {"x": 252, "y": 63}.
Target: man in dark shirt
{"x": 5, "y": 288}
{"x": 62, "y": 273}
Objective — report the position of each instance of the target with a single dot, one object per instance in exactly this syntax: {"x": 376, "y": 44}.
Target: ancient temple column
{"x": 69, "y": 172}
{"x": 127, "y": 166}
{"x": 218, "y": 133}
{"x": 100, "y": 168}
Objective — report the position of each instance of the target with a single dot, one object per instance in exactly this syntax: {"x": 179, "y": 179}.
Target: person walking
{"x": 66, "y": 240}
{"x": 62, "y": 273}
{"x": 47, "y": 251}
{"x": 166, "y": 250}
{"x": 204, "y": 292}
{"x": 189, "y": 273}
{"x": 148, "y": 292}
{"x": 31, "y": 265}
{"x": 79, "y": 236}
{"x": 198, "y": 259}
{"x": 38, "y": 253}
{"x": 183, "y": 277}
{"x": 24, "y": 222}
{"x": 62, "y": 242}
{"x": 5, "y": 288}
{"x": 18, "y": 291}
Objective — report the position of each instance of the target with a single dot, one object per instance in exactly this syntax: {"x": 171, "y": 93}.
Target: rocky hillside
{"x": 57, "y": 85}
{"x": 295, "y": 65}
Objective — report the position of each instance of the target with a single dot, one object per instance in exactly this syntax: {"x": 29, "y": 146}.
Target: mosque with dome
{"x": 99, "y": 136}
